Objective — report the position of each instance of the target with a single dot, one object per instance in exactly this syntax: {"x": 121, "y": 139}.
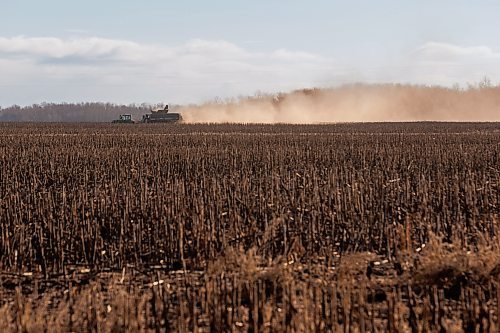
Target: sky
{"x": 125, "y": 51}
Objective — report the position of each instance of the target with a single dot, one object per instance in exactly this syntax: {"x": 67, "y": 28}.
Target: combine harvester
{"x": 161, "y": 116}
{"x": 156, "y": 116}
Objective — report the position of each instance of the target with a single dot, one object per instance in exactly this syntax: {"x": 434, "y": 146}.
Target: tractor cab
{"x": 124, "y": 118}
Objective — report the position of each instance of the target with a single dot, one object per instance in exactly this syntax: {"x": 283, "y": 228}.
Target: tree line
{"x": 72, "y": 112}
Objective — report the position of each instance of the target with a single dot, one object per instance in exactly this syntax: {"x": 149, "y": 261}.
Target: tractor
{"x": 124, "y": 119}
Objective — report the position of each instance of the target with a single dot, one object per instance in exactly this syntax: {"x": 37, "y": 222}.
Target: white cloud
{"x": 125, "y": 71}
{"x": 88, "y": 69}
{"x": 447, "y": 64}
{"x": 435, "y": 64}
{"x": 446, "y": 52}
{"x": 57, "y": 48}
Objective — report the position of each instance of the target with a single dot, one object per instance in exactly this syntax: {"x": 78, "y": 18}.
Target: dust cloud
{"x": 355, "y": 103}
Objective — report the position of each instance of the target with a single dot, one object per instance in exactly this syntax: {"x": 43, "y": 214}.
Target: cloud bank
{"x": 125, "y": 71}
{"x": 36, "y": 69}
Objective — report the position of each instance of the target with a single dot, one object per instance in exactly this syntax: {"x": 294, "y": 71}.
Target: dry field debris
{"x": 380, "y": 227}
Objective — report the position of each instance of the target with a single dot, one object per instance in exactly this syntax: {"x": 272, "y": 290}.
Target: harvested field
{"x": 376, "y": 227}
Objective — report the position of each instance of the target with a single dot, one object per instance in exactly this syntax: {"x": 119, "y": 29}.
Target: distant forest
{"x": 71, "y": 112}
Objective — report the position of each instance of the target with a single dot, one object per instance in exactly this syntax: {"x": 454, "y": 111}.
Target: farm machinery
{"x": 155, "y": 116}
{"x": 124, "y": 119}
{"x": 161, "y": 116}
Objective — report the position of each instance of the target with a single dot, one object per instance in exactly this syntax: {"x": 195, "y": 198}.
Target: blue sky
{"x": 189, "y": 51}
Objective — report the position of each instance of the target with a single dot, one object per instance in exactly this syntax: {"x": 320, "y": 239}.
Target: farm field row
{"x": 335, "y": 227}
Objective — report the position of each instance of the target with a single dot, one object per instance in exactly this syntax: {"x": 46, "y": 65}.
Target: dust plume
{"x": 356, "y": 103}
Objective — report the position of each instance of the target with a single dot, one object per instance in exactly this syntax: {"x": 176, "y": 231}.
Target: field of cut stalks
{"x": 250, "y": 228}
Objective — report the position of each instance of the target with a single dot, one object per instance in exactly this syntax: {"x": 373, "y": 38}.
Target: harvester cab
{"x": 164, "y": 110}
